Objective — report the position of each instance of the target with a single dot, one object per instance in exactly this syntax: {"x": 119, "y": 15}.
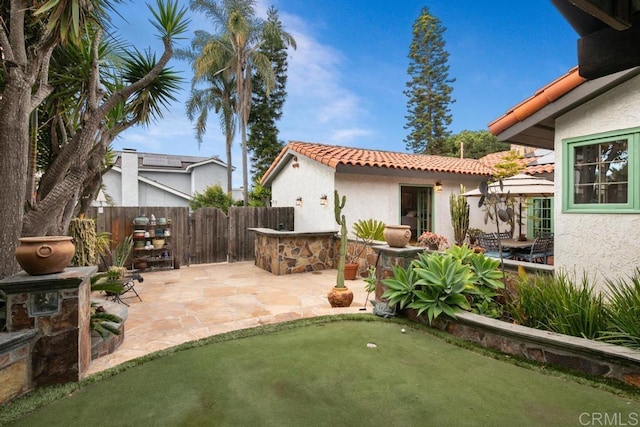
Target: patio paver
{"x": 203, "y": 300}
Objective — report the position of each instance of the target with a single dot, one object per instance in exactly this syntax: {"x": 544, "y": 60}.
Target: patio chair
{"x": 504, "y": 235}
{"x": 538, "y": 253}
{"x": 128, "y": 286}
{"x": 489, "y": 242}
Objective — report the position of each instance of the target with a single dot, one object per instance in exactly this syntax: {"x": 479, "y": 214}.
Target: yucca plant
{"x": 623, "y": 310}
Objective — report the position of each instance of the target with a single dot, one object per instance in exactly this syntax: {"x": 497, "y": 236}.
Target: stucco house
{"x": 148, "y": 179}
{"x": 594, "y": 128}
{"x": 393, "y": 187}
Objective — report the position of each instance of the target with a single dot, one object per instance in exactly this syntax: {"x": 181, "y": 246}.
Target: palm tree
{"x": 240, "y": 33}
{"x": 219, "y": 96}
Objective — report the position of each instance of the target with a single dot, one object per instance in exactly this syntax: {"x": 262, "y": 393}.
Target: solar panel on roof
{"x": 160, "y": 160}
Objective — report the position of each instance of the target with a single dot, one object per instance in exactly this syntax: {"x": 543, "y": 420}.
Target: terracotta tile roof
{"x": 490, "y": 160}
{"x": 543, "y": 97}
{"x": 334, "y": 155}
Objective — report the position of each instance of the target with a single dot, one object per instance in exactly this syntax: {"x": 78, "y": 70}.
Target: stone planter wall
{"x": 578, "y": 354}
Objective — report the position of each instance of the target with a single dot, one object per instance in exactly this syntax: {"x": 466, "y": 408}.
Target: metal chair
{"x": 490, "y": 243}
{"x": 538, "y": 253}
{"x": 128, "y": 286}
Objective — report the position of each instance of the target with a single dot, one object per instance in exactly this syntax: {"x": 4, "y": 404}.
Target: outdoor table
{"x": 516, "y": 244}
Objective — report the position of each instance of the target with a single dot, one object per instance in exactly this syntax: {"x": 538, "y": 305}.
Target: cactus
{"x": 459, "y": 215}
{"x": 340, "y": 219}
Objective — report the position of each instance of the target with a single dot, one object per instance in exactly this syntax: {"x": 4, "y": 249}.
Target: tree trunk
{"x": 14, "y": 151}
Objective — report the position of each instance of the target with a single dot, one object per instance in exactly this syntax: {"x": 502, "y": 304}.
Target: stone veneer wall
{"x": 15, "y": 364}
{"x": 289, "y": 253}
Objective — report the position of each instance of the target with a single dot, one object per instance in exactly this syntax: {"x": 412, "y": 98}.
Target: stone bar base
{"x": 288, "y": 252}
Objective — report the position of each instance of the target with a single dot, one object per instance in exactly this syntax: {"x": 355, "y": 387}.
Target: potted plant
{"x": 340, "y": 295}
{"x": 433, "y": 241}
{"x": 473, "y": 234}
{"x": 366, "y": 231}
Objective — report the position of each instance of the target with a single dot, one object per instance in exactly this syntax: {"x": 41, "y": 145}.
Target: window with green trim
{"x": 601, "y": 172}
{"x": 540, "y": 216}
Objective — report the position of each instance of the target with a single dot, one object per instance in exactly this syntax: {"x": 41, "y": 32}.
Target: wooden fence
{"x": 207, "y": 235}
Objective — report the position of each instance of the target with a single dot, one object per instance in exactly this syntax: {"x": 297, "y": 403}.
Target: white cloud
{"x": 344, "y": 136}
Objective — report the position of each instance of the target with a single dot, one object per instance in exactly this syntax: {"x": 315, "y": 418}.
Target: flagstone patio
{"x": 202, "y": 300}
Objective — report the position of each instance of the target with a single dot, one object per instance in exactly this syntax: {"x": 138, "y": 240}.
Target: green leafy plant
{"x": 401, "y": 286}
{"x": 623, "y": 312}
{"x": 103, "y": 322}
{"x": 370, "y": 280}
{"x": 459, "y": 209}
{"x": 122, "y": 251}
{"x": 442, "y": 283}
{"x": 558, "y": 304}
{"x": 366, "y": 231}
{"x": 213, "y": 196}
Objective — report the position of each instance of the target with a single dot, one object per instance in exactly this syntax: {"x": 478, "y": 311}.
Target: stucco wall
{"x": 310, "y": 180}
{"x": 180, "y": 181}
{"x": 368, "y": 196}
{"x": 602, "y": 245}
{"x": 207, "y": 175}
{"x": 153, "y": 196}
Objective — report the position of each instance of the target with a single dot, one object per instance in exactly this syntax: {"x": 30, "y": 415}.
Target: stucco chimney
{"x": 129, "y": 184}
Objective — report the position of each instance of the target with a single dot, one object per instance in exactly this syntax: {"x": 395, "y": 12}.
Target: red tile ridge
{"x": 541, "y": 98}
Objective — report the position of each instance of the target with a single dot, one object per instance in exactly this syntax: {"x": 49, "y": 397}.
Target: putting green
{"x": 325, "y": 374}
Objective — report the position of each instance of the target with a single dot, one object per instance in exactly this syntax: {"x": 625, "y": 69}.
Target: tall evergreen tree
{"x": 429, "y": 89}
{"x": 473, "y": 144}
{"x": 266, "y": 107}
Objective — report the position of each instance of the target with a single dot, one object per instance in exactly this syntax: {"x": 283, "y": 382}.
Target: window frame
{"x": 632, "y": 205}
{"x": 532, "y": 230}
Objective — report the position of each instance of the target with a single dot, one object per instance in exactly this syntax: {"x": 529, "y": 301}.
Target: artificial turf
{"x": 323, "y": 373}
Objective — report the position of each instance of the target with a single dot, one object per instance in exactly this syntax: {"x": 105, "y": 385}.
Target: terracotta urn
{"x": 340, "y": 297}
{"x": 44, "y": 254}
{"x": 397, "y": 236}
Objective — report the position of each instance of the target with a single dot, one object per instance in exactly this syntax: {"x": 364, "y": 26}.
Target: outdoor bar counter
{"x": 288, "y": 252}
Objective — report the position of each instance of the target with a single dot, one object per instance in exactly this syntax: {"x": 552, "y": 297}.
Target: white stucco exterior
{"x": 601, "y": 245}
{"x": 368, "y": 196}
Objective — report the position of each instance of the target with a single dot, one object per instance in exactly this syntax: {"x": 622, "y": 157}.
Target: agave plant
{"x": 443, "y": 281}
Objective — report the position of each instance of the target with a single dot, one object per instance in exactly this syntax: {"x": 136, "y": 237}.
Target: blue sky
{"x": 346, "y": 78}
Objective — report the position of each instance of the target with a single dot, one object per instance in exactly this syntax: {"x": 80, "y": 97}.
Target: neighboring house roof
{"x": 532, "y": 122}
{"x": 345, "y": 158}
{"x": 169, "y": 162}
{"x": 537, "y": 162}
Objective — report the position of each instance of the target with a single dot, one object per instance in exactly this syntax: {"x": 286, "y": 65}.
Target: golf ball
{"x": 403, "y": 330}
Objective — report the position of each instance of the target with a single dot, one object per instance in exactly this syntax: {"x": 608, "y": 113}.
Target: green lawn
{"x": 321, "y": 372}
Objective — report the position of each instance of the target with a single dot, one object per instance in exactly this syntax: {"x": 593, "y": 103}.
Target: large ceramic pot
{"x": 44, "y": 254}
{"x": 397, "y": 236}
{"x": 340, "y": 297}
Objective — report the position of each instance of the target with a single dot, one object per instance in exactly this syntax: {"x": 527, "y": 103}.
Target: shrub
{"x": 623, "y": 312}
{"x": 558, "y": 304}
{"x": 448, "y": 282}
